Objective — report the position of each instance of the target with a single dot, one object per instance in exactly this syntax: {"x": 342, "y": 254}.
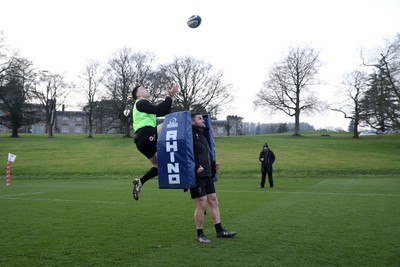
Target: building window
{"x": 65, "y": 129}
{"x": 78, "y": 129}
{"x": 38, "y": 128}
{"x": 65, "y": 118}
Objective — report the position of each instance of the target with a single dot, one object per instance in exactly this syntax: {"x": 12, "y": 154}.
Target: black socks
{"x": 218, "y": 228}
{"x": 153, "y": 172}
{"x": 200, "y": 232}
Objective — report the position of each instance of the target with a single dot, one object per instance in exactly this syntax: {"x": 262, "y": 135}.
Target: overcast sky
{"x": 243, "y": 38}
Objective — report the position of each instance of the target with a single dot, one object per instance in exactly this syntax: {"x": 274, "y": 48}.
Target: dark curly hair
{"x": 134, "y": 91}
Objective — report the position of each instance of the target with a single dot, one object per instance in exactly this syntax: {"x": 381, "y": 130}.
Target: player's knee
{"x": 212, "y": 200}
{"x": 201, "y": 202}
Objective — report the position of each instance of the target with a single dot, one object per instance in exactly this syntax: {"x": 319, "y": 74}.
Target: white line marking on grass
{"x": 22, "y": 194}
{"x": 80, "y": 201}
{"x": 345, "y": 194}
{"x": 74, "y": 187}
{"x": 67, "y": 200}
{"x": 311, "y": 193}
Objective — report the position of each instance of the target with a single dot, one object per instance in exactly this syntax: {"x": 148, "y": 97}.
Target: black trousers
{"x": 263, "y": 176}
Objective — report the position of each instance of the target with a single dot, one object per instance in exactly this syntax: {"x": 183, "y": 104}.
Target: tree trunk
{"x": 50, "y": 134}
{"x": 296, "y": 124}
{"x": 14, "y": 133}
{"x": 355, "y": 129}
{"x": 127, "y": 131}
{"x": 90, "y": 125}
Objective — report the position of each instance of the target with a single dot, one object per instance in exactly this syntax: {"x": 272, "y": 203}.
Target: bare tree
{"x": 125, "y": 69}
{"x": 7, "y": 59}
{"x": 93, "y": 77}
{"x": 4, "y": 59}
{"x": 355, "y": 85}
{"x": 51, "y": 91}
{"x": 200, "y": 84}
{"x": 156, "y": 81}
{"x": 288, "y": 87}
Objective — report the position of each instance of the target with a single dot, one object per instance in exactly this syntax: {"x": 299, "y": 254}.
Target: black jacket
{"x": 269, "y": 159}
{"x": 201, "y": 153}
{"x": 161, "y": 109}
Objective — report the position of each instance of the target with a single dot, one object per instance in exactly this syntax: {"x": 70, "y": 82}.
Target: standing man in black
{"x": 267, "y": 158}
{"x": 204, "y": 192}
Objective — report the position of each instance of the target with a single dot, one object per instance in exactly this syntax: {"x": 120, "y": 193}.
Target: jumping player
{"x": 146, "y": 129}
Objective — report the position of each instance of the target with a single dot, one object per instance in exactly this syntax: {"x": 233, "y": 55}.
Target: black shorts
{"x": 204, "y": 186}
{"x": 146, "y": 141}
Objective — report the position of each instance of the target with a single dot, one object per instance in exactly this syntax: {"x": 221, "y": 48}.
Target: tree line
{"x": 370, "y": 94}
{"x": 29, "y": 95}
{"x": 373, "y": 95}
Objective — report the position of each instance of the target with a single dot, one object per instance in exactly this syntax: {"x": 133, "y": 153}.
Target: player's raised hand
{"x": 173, "y": 90}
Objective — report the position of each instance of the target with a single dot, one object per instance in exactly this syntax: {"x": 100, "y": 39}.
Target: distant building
{"x": 71, "y": 122}
{"x": 76, "y": 122}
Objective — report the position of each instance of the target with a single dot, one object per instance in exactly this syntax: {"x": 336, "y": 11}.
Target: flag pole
{"x": 8, "y": 176}
{"x": 11, "y": 158}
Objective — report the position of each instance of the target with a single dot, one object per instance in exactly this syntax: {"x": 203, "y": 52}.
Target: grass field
{"x": 336, "y": 203}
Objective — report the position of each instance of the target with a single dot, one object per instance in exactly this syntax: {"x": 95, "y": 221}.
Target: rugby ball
{"x": 194, "y": 21}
